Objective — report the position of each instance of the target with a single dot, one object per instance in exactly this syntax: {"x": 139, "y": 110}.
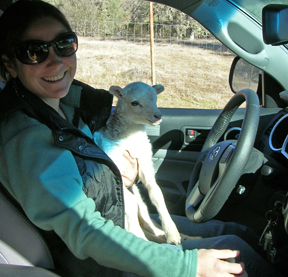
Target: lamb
{"x": 125, "y": 130}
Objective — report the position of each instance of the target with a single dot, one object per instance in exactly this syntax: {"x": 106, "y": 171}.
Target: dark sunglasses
{"x": 36, "y": 51}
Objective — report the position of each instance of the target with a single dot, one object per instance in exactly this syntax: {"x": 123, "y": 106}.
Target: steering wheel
{"x": 221, "y": 164}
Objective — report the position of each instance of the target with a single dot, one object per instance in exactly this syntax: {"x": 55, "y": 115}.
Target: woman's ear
{"x": 10, "y": 66}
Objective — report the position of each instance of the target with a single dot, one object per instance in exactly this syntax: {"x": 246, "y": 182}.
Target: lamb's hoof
{"x": 174, "y": 238}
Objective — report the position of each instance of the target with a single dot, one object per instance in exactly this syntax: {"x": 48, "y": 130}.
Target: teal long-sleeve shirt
{"x": 46, "y": 182}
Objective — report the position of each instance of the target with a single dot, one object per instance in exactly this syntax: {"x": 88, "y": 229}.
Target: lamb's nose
{"x": 158, "y": 116}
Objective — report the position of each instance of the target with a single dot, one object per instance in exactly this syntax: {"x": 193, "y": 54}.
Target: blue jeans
{"x": 220, "y": 235}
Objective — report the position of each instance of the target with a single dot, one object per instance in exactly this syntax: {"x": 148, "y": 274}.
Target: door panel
{"x": 173, "y": 173}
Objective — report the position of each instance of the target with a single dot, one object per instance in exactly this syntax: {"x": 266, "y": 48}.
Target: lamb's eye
{"x": 135, "y": 103}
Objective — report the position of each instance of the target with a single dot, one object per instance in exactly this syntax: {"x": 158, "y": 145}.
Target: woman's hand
{"x": 130, "y": 172}
{"x": 213, "y": 263}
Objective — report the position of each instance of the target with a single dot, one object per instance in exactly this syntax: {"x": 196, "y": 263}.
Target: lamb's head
{"x": 137, "y": 102}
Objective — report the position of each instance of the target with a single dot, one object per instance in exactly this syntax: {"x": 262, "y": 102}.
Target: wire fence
{"x": 138, "y": 31}
{"x": 192, "y": 65}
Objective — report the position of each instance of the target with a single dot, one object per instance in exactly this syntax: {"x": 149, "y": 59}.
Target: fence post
{"x": 153, "y": 78}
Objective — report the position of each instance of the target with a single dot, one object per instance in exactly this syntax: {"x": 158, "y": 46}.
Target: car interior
{"x": 232, "y": 168}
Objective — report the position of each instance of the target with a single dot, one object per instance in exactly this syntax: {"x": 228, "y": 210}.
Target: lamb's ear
{"x": 158, "y": 88}
{"x": 117, "y": 91}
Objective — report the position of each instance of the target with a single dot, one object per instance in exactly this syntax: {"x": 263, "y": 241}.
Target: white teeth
{"x": 54, "y": 79}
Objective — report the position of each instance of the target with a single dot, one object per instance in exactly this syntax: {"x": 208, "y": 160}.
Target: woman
{"x": 65, "y": 184}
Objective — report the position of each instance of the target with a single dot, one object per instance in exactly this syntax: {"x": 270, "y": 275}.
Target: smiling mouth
{"x": 54, "y": 78}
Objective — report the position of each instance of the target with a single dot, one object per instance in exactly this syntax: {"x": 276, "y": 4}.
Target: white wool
{"x": 125, "y": 130}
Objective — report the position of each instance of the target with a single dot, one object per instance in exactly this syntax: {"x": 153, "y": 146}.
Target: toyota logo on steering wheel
{"x": 214, "y": 153}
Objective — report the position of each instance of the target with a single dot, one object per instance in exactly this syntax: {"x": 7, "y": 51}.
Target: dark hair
{"x": 17, "y": 18}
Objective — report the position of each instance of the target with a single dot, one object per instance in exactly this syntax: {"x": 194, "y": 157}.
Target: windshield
{"x": 254, "y": 7}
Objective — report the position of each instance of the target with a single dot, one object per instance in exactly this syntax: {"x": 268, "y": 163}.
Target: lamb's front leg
{"x": 146, "y": 174}
{"x": 131, "y": 214}
{"x": 151, "y": 230}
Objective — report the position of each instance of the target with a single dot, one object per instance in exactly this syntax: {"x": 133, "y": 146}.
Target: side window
{"x": 114, "y": 49}
{"x": 194, "y": 71}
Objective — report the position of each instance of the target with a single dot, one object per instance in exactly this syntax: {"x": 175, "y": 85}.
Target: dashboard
{"x": 274, "y": 145}
{"x": 278, "y": 139}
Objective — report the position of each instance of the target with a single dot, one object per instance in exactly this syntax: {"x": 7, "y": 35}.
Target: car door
{"x": 176, "y": 145}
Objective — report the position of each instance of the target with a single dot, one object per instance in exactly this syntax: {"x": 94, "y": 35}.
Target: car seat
{"x": 23, "y": 251}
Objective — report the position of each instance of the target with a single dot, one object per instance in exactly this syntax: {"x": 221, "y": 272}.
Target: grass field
{"x": 194, "y": 74}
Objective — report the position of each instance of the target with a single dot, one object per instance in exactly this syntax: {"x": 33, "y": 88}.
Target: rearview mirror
{"x": 274, "y": 21}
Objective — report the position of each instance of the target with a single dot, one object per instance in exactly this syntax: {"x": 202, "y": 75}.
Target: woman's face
{"x": 52, "y": 78}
